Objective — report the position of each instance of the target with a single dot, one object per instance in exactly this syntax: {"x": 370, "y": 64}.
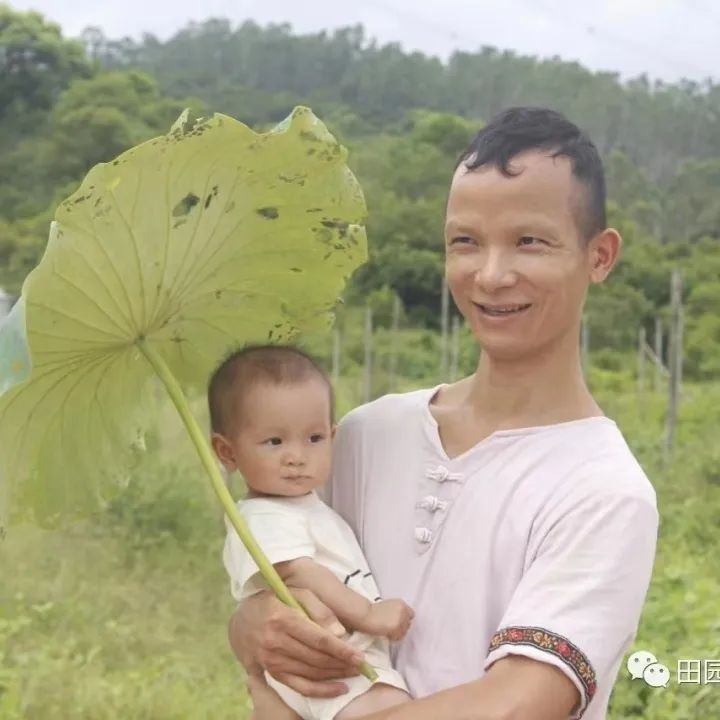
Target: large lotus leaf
{"x": 194, "y": 242}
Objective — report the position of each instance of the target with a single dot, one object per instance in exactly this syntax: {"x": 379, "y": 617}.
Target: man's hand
{"x": 306, "y": 656}
{"x": 390, "y": 619}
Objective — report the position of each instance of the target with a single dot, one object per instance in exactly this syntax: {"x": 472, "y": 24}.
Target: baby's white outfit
{"x": 287, "y": 528}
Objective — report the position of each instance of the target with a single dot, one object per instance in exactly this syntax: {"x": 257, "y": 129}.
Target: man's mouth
{"x": 502, "y": 310}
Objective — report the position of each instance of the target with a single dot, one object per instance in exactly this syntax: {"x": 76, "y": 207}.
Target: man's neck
{"x": 539, "y": 390}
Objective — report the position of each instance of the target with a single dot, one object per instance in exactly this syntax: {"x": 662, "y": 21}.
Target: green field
{"x": 125, "y": 616}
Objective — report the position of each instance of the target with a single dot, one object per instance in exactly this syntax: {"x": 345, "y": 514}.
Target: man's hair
{"x": 518, "y": 129}
{"x": 249, "y": 366}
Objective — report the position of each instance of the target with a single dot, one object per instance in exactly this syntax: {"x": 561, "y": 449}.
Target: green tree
{"x": 96, "y": 119}
{"x": 657, "y": 125}
{"x": 92, "y": 121}
{"x": 36, "y": 65}
{"x": 693, "y": 206}
{"x": 406, "y": 178}
{"x": 702, "y": 344}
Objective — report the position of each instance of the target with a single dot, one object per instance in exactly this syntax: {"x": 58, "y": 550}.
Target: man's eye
{"x": 531, "y": 240}
{"x": 316, "y": 438}
{"x": 273, "y": 441}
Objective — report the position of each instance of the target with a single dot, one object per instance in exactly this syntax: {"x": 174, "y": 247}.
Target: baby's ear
{"x": 224, "y": 451}
{"x": 333, "y": 430}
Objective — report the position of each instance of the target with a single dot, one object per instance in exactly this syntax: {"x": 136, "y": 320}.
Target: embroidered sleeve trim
{"x": 557, "y": 645}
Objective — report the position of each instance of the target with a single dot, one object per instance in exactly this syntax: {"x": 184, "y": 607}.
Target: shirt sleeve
{"x": 282, "y": 535}
{"x": 579, "y": 601}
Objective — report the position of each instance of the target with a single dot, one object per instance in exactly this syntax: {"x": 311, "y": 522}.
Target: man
{"x": 505, "y": 508}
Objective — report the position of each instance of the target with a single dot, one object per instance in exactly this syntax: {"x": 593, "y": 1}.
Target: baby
{"x": 272, "y": 418}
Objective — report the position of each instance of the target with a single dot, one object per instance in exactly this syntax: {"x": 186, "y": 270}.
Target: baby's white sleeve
{"x": 282, "y": 535}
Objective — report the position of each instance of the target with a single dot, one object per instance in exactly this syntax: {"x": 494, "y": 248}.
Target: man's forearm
{"x": 515, "y": 688}
{"x": 464, "y": 702}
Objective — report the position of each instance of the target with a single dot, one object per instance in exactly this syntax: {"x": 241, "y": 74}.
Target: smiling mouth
{"x": 501, "y": 310}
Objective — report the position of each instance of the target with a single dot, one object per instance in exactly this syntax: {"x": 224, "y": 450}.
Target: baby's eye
{"x": 316, "y": 438}
{"x": 273, "y": 441}
{"x": 461, "y": 240}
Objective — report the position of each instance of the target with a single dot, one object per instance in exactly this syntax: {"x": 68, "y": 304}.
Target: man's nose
{"x": 495, "y": 270}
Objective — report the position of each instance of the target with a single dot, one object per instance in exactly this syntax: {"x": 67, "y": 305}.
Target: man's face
{"x": 516, "y": 263}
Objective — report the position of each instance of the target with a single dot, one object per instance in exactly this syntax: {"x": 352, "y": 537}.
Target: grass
{"x": 117, "y": 620}
{"x": 126, "y": 615}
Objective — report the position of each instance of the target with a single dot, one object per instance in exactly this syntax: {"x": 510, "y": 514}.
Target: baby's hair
{"x": 253, "y": 364}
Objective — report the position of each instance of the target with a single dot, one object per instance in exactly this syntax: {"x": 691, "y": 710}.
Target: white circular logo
{"x": 656, "y": 675}
{"x": 638, "y": 661}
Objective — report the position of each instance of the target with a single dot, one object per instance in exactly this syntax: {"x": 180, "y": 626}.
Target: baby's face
{"x": 282, "y": 445}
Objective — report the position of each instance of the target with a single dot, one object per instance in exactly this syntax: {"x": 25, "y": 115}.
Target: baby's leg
{"x": 378, "y": 697}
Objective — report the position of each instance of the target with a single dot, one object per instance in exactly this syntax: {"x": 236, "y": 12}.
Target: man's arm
{"x": 390, "y": 618}
{"x": 515, "y": 688}
{"x": 547, "y": 695}
{"x": 587, "y": 583}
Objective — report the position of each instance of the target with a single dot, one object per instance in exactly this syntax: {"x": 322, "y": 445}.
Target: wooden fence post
{"x": 641, "y": 360}
{"x": 367, "y": 368}
{"x": 675, "y": 349}
{"x": 394, "y": 341}
{"x": 658, "y": 339}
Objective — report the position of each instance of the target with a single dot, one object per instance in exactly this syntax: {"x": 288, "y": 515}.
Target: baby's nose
{"x": 294, "y": 457}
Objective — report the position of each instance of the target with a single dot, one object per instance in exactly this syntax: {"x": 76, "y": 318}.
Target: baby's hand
{"x": 390, "y": 619}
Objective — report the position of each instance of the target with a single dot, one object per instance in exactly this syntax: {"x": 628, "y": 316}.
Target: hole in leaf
{"x": 210, "y": 196}
{"x": 185, "y": 205}
{"x": 270, "y": 213}
{"x": 309, "y": 136}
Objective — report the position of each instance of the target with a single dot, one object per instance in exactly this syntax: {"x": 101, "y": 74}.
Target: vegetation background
{"x": 125, "y": 615}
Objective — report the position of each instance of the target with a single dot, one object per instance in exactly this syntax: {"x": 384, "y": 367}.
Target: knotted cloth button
{"x": 432, "y": 503}
{"x": 423, "y": 535}
{"x": 441, "y": 474}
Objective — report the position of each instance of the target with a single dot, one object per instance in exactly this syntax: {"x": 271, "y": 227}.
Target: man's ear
{"x": 333, "y": 430}
{"x": 224, "y": 451}
{"x": 604, "y": 252}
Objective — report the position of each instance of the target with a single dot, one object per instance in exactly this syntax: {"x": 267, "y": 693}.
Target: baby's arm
{"x": 387, "y": 618}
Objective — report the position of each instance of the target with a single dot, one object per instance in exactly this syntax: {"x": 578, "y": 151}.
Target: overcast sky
{"x": 667, "y": 39}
